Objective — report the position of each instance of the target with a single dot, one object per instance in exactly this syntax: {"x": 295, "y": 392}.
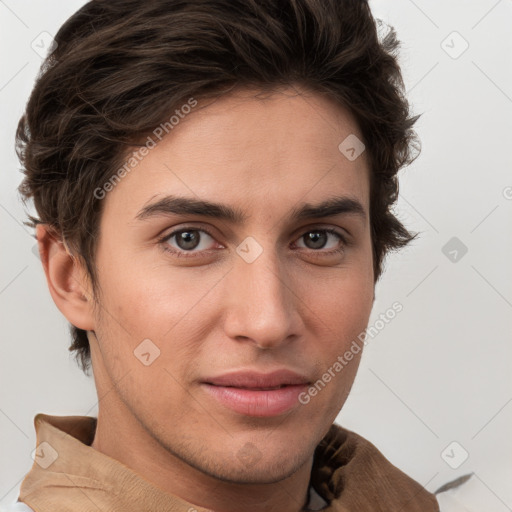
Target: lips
{"x": 252, "y": 393}
{"x": 262, "y": 381}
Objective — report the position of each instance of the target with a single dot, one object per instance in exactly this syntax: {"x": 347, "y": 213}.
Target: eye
{"x": 191, "y": 241}
{"x": 186, "y": 240}
{"x": 317, "y": 238}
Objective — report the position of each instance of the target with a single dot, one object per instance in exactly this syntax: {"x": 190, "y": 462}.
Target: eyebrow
{"x": 176, "y": 205}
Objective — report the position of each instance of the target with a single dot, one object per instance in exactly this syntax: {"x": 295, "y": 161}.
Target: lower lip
{"x": 257, "y": 403}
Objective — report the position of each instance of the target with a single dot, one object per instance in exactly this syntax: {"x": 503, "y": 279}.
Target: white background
{"x": 441, "y": 370}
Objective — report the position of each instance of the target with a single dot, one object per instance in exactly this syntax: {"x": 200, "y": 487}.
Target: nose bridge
{"x": 261, "y": 305}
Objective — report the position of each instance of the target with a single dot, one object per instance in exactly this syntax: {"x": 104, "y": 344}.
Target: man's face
{"x": 267, "y": 293}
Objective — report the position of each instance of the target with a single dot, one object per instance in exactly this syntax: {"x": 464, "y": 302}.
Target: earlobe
{"x": 67, "y": 280}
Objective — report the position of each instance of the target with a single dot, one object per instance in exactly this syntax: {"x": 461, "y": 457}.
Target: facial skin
{"x": 293, "y": 307}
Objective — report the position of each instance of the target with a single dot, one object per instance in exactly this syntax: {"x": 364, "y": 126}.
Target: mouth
{"x": 257, "y": 394}
{"x": 268, "y": 388}
{"x": 257, "y": 380}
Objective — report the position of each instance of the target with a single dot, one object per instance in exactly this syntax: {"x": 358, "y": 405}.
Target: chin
{"x": 275, "y": 462}
{"x": 263, "y": 472}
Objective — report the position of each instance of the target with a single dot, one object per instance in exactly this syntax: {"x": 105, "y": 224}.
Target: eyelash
{"x": 187, "y": 254}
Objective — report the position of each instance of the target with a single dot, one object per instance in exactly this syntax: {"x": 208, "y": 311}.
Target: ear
{"x": 67, "y": 279}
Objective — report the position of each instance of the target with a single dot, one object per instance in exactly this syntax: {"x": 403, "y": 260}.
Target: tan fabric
{"x": 348, "y": 471}
{"x": 352, "y": 474}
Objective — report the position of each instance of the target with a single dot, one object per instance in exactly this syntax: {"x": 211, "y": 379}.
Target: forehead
{"x": 258, "y": 153}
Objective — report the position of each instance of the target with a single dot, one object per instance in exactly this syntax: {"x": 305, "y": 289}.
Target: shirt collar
{"x": 348, "y": 473}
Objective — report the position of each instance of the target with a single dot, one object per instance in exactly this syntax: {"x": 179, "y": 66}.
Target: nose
{"x": 262, "y": 305}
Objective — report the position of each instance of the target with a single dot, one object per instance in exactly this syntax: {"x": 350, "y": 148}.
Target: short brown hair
{"x": 120, "y": 67}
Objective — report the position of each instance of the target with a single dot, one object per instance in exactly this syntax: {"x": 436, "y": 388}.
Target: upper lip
{"x": 254, "y": 379}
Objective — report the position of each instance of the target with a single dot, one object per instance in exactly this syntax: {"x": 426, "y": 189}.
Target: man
{"x": 213, "y": 182}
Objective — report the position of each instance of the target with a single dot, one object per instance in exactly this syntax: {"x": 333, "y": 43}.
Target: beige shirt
{"x": 349, "y": 474}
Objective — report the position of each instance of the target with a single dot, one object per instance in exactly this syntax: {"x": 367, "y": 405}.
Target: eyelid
{"x": 326, "y": 252}
{"x": 166, "y": 237}
{"x": 337, "y": 231}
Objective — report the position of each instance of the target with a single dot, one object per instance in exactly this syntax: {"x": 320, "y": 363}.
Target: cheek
{"x": 148, "y": 300}
{"x": 169, "y": 307}
{"x": 341, "y": 307}
{"x": 353, "y": 302}
{"x": 346, "y": 315}
{"x": 147, "y": 341}
{"x": 343, "y": 297}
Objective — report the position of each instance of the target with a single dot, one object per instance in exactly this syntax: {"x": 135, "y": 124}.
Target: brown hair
{"x": 121, "y": 67}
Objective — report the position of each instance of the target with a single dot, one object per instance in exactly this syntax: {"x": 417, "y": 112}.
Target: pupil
{"x": 314, "y": 236}
{"x": 189, "y": 240}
